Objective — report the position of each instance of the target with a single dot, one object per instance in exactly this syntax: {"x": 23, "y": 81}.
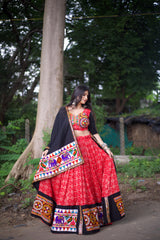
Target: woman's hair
{"x": 77, "y": 96}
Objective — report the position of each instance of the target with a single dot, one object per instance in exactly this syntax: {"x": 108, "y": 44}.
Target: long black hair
{"x": 77, "y": 96}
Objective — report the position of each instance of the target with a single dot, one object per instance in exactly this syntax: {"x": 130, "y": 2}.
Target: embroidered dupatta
{"x": 64, "y": 152}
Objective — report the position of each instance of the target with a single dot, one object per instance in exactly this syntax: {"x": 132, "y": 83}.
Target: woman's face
{"x": 84, "y": 97}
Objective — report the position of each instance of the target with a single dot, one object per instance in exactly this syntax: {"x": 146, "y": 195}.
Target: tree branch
{"x": 10, "y": 184}
{"x": 30, "y": 92}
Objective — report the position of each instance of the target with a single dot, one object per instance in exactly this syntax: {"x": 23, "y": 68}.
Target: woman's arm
{"x": 103, "y": 145}
{"x": 93, "y": 130}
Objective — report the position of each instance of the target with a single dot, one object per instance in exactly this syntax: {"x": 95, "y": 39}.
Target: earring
{"x": 74, "y": 103}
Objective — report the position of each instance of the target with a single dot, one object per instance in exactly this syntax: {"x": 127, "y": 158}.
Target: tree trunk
{"x": 50, "y": 97}
{"x": 121, "y": 101}
{"x": 120, "y": 104}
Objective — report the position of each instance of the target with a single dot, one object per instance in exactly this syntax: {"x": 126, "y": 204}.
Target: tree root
{"x": 9, "y": 184}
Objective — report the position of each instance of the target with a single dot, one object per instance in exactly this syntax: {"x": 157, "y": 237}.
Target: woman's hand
{"x": 44, "y": 153}
{"x": 108, "y": 151}
{"x": 103, "y": 145}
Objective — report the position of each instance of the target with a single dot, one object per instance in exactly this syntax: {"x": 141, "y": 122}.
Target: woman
{"x": 76, "y": 179}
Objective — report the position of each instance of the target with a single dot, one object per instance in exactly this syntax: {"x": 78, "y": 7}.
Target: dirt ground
{"x": 142, "y": 204}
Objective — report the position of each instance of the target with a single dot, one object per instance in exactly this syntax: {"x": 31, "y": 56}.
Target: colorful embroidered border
{"x": 119, "y": 204}
{"x": 59, "y": 161}
{"x": 43, "y": 208}
{"x": 79, "y": 219}
{"x": 65, "y": 220}
{"x": 91, "y": 218}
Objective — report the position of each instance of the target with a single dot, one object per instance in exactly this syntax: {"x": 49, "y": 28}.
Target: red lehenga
{"x": 82, "y": 199}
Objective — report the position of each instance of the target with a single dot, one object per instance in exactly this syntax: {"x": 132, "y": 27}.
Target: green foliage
{"x": 17, "y": 111}
{"x": 133, "y": 150}
{"x": 140, "y": 168}
{"x": 46, "y": 137}
{"x": 34, "y": 162}
{"x": 141, "y": 151}
{"x": 99, "y": 112}
{"x": 10, "y": 152}
{"x": 133, "y": 183}
{"x": 67, "y": 95}
{"x": 119, "y": 55}
{"x": 153, "y": 111}
{"x": 10, "y": 187}
{"x": 26, "y": 202}
{"x": 10, "y": 133}
{"x": 15, "y": 125}
{"x": 143, "y": 188}
{"x": 26, "y": 185}
{"x": 8, "y": 157}
{"x": 2, "y": 194}
{"x": 19, "y": 147}
{"x": 4, "y": 138}
{"x": 20, "y": 43}
{"x": 13, "y": 152}
{"x": 115, "y": 150}
{"x": 152, "y": 152}
{"x": 5, "y": 169}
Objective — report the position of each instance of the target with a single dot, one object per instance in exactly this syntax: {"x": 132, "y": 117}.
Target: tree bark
{"x": 50, "y": 97}
{"x": 121, "y": 102}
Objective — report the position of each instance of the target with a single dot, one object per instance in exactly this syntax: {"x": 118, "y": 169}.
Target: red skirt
{"x": 83, "y": 199}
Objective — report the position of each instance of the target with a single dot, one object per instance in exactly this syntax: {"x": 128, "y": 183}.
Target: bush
{"x": 140, "y": 168}
{"x": 140, "y": 151}
{"x": 9, "y": 157}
